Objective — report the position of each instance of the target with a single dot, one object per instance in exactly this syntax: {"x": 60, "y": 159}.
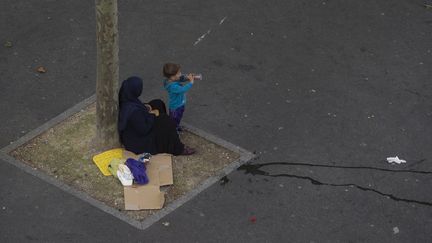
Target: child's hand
{"x": 154, "y": 112}
{"x": 191, "y": 77}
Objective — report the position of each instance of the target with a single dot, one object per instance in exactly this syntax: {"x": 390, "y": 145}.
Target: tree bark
{"x": 107, "y": 73}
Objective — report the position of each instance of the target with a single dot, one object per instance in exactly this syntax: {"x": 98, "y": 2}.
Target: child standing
{"x": 177, "y": 86}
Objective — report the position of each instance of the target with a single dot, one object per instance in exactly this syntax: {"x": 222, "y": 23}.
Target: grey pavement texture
{"x": 333, "y": 83}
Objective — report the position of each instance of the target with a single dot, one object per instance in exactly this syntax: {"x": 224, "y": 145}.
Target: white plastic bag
{"x": 395, "y": 160}
{"x": 125, "y": 175}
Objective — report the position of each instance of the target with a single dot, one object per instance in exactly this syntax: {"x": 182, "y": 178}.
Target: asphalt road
{"x": 333, "y": 86}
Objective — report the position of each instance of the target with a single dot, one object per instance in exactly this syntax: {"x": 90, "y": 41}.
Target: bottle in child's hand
{"x": 197, "y": 76}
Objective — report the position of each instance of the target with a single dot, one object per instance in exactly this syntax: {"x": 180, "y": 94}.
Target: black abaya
{"x": 164, "y": 128}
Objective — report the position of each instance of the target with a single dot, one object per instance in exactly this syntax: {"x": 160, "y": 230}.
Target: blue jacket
{"x": 176, "y": 93}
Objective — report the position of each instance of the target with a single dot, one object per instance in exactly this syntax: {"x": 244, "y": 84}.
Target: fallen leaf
{"x": 41, "y": 69}
{"x": 8, "y": 44}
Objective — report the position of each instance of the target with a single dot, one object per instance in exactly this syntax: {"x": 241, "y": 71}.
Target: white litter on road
{"x": 221, "y": 22}
{"x": 395, "y": 160}
{"x": 395, "y": 230}
{"x": 166, "y": 224}
{"x": 202, "y": 37}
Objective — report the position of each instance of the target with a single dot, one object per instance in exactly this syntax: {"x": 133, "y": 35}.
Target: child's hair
{"x": 170, "y": 69}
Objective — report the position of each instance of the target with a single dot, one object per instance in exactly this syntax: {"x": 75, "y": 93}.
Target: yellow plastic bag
{"x": 102, "y": 160}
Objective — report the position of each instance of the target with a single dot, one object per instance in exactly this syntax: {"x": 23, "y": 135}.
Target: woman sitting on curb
{"x": 144, "y": 128}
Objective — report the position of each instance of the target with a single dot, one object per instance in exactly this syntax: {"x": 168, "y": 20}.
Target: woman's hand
{"x": 149, "y": 108}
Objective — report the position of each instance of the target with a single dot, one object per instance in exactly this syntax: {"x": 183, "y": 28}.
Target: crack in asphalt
{"x": 254, "y": 169}
{"x": 348, "y": 167}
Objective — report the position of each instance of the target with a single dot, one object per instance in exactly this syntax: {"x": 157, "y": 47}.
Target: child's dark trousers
{"x": 177, "y": 115}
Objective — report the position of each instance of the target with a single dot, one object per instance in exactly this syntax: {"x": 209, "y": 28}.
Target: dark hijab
{"x": 130, "y": 90}
{"x": 158, "y": 105}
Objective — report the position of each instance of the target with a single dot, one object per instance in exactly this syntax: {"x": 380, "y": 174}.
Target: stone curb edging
{"x": 245, "y": 156}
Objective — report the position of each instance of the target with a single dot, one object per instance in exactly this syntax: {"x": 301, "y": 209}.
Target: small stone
{"x": 4, "y": 208}
{"x": 251, "y": 33}
{"x": 299, "y": 187}
{"x": 288, "y": 101}
{"x": 202, "y": 215}
{"x": 281, "y": 185}
{"x": 395, "y": 230}
{"x": 313, "y": 91}
{"x": 382, "y": 14}
{"x": 275, "y": 148}
{"x": 280, "y": 128}
{"x": 245, "y": 115}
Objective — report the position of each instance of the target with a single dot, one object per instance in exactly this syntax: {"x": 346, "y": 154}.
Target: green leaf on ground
{"x": 8, "y": 44}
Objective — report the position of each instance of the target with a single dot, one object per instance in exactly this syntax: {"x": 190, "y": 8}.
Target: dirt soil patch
{"x": 66, "y": 151}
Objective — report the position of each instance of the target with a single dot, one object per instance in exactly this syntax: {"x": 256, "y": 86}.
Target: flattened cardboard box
{"x": 159, "y": 162}
{"x": 147, "y": 196}
{"x": 163, "y": 164}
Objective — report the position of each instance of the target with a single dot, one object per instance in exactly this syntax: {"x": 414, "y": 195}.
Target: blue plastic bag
{"x": 138, "y": 170}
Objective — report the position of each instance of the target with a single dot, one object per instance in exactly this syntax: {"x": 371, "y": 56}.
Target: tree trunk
{"x": 107, "y": 74}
